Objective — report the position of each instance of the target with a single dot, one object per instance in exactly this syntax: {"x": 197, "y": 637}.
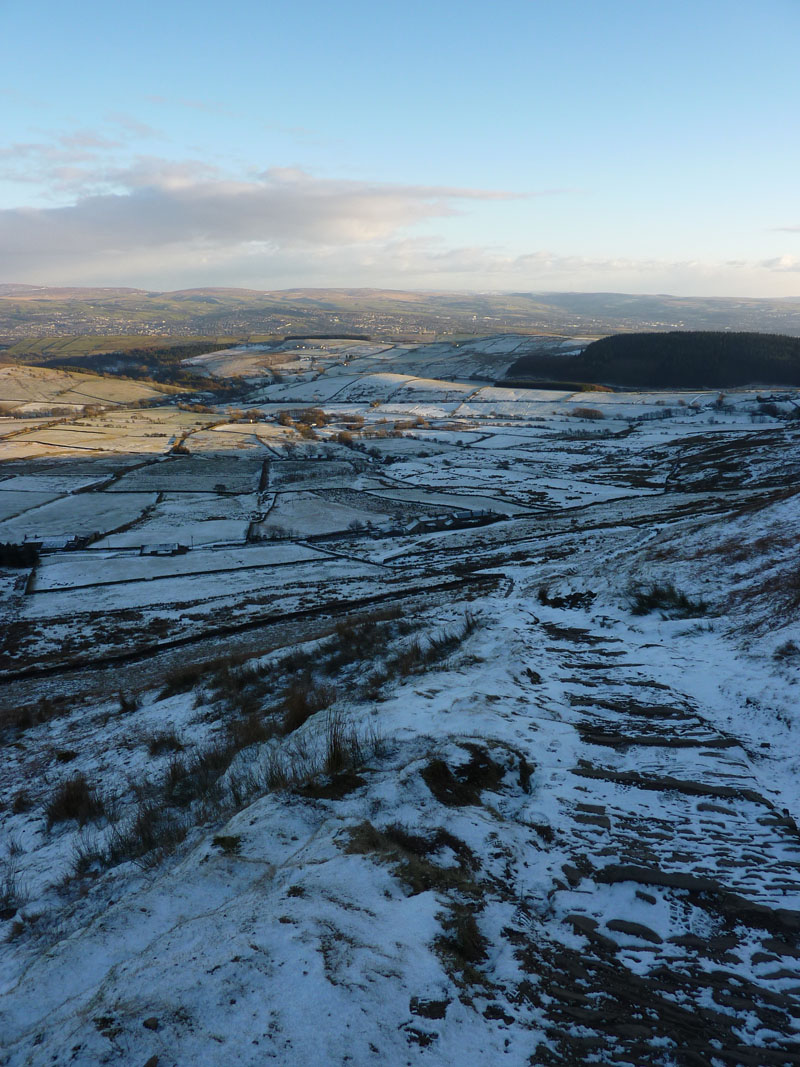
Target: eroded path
{"x": 673, "y": 927}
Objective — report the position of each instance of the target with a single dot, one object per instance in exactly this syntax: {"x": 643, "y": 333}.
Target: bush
{"x": 587, "y": 413}
{"x": 313, "y": 417}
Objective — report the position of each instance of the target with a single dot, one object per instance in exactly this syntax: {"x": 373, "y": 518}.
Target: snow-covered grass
{"x": 81, "y": 514}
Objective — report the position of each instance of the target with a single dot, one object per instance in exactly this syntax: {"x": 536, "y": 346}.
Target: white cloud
{"x": 132, "y": 127}
{"x": 168, "y": 224}
{"x": 159, "y": 205}
{"x": 782, "y": 263}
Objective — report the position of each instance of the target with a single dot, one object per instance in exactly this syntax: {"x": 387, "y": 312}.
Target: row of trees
{"x": 24, "y": 555}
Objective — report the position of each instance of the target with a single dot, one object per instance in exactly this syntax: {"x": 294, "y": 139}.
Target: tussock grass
{"x": 420, "y": 656}
{"x": 197, "y": 777}
{"x": 411, "y": 857}
{"x": 251, "y": 730}
{"x": 162, "y": 741}
{"x": 128, "y": 702}
{"x": 664, "y": 598}
{"x": 148, "y": 836}
{"x": 182, "y": 679}
{"x": 304, "y": 698}
{"x": 75, "y": 799}
{"x": 29, "y": 715}
{"x": 464, "y": 784}
{"x": 12, "y": 895}
{"x": 348, "y": 747}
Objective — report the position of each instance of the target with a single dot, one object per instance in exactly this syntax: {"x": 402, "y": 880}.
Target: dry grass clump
{"x": 463, "y": 785}
{"x": 75, "y": 799}
{"x": 304, "y": 698}
{"x": 361, "y": 638}
{"x": 197, "y": 777}
{"x": 344, "y": 749}
{"x": 160, "y": 742}
{"x": 203, "y": 785}
{"x": 776, "y": 592}
{"x": 666, "y": 599}
{"x": 736, "y": 550}
{"x": 420, "y": 656}
{"x": 253, "y": 729}
{"x": 346, "y": 746}
{"x": 128, "y": 702}
{"x": 182, "y": 679}
{"x": 150, "y": 835}
{"x": 30, "y": 715}
{"x": 271, "y": 702}
{"x": 411, "y": 857}
{"x": 12, "y": 896}
{"x": 414, "y": 859}
{"x": 462, "y": 946}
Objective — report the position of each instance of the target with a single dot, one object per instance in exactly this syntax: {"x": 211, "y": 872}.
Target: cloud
{"x": 132, "y": 127}
{"x": 40, "y": 153}
{"x": 70, "y": 162}
{"x": 781, "y": 263}
{"x": 173, "y": 223}
{"x": 86, "y": 139}
{"x": 167, "y": 205}
{"x": 77, "y": 161}
{"x": 426, "y": 256}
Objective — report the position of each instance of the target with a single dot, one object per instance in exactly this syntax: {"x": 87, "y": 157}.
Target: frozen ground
{"x": 524, "y": 791}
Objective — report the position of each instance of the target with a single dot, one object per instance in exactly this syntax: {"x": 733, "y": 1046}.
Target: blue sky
{"x": 528, "y": 144}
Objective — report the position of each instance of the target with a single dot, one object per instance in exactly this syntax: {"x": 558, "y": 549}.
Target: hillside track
{"x": 671, "y": 932}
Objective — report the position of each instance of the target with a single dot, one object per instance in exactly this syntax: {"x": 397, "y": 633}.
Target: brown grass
{"x": 74, "y": 799}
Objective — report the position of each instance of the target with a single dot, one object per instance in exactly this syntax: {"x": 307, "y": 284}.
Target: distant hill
{"x": 29, "y": 311}
{"x": 686, "y": 359}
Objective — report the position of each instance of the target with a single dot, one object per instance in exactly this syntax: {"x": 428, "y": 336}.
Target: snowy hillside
{"x": 439, "y": 724}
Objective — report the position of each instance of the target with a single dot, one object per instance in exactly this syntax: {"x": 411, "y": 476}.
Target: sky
{"x": 644, "y": 146}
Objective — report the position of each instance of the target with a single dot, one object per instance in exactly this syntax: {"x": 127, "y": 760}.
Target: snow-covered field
{"x": 379, "y": 790}
{"x": 82, "y": 515}
{"x": 31, "y": 388}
